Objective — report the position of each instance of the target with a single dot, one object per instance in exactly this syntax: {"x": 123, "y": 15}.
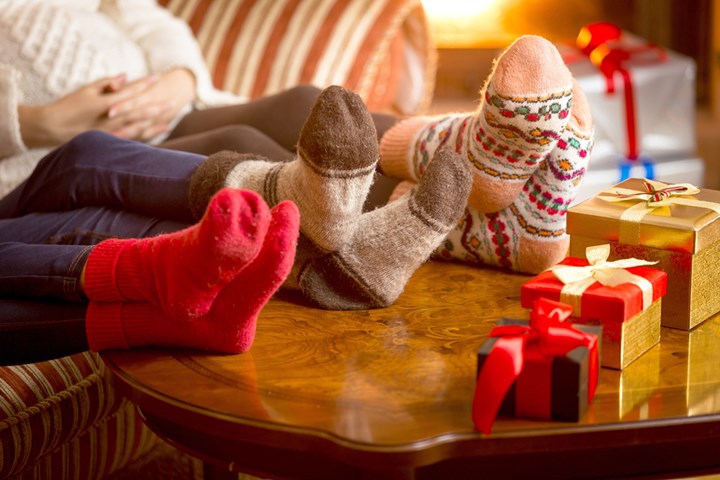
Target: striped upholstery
{"x": 259, "y": 47}
{"x": 63, "y": 419}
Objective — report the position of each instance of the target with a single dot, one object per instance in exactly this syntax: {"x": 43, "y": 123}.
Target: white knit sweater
{"x": 49, "y": 48}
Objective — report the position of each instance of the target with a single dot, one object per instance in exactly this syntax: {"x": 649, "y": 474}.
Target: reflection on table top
{"x": 403, "y": 377}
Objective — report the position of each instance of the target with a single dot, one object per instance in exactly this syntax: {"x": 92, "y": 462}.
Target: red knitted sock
{"x": 182, "y": 272}
{"x": 230, "y": 324}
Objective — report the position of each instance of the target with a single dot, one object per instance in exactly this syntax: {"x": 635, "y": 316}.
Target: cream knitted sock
{"x": 391, "y": 242}
{"x": 328, "y": 180}
{"x": 524, "y": 108}
{"x": 529, "y": 236}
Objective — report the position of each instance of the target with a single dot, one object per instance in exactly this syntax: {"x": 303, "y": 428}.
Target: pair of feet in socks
{"x": 201, "y": 287}
{"x": 529, "y": 143}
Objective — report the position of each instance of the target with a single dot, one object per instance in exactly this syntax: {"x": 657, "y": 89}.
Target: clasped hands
{"x": 137, "y": 110}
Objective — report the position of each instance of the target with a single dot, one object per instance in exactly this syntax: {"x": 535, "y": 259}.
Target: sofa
{"x": 60, "y": 415}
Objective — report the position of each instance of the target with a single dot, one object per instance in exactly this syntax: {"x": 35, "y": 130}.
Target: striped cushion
{"x": 63, "y": 419}
{"x": 379, "y": 48}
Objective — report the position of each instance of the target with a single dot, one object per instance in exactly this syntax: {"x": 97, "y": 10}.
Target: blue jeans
{"x": 92, "y": 188}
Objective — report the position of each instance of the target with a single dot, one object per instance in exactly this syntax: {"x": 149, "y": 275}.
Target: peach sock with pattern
{"x": 529, "y": 236}
{"x": 524, "y": 109}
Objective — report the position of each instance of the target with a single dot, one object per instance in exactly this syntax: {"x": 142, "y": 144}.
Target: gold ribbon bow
{"x": 655, "y": 195}
{"x": 577, "y": 279}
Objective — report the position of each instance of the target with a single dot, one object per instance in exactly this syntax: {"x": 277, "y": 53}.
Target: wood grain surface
{"x": 391, "y": 389}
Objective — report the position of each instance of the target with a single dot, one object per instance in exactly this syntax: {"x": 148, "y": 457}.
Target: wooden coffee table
{"x": 387, "y": 394}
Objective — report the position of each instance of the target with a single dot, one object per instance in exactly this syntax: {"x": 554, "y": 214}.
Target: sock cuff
{"x": 131, "y": 278}
{"x": 211, "y": 176}
{"x": 101, "y": 270}
{"x": 104, "y": 326}
{"x": 396, "y": 147}
{"x": 140, "y": 323}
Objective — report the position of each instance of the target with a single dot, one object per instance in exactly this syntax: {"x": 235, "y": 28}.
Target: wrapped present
{"x": 642, "y": 100}
{"x": 546, "y": 368}
{"x": 674, "y": 225}
{"x": 604, "y": 172}
{"x": 624, "y": 296}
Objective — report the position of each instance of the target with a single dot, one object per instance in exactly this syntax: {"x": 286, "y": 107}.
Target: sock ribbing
{"x": 103, "y": 326}
{"x": 101, "y": 270}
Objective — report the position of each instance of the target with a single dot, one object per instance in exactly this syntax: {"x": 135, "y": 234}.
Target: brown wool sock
{"x": 337, "y": 153}
{"x": 390, "y": 243}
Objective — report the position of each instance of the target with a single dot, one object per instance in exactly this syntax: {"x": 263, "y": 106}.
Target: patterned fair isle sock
{"x": 529, "y": 236}
{"x": 329, "y": 179}
{"x": 524, "y": 108}
{"x": 230, "y": 324}
{"x": 182, "y": 272}
{"x": 390, "y": 243}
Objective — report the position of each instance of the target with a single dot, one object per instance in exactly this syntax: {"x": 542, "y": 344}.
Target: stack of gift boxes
{"x": 642, "y": 99}
{"x": 642, "y": 256}
{"x": 644, "y": 241}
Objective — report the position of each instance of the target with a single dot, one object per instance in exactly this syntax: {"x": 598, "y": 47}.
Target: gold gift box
{"x": 683, "y": 239}
{"x": 624, "y": 342}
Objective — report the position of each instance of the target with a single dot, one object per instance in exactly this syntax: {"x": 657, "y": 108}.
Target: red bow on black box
{"x": 545, "y": 368}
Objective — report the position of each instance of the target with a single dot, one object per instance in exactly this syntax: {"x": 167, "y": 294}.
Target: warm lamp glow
{"x": 448, "y": 9}
{"x": 468, "y": 23}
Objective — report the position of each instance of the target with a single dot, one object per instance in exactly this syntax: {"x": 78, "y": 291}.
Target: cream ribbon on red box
{"x": 577, "y": 279}
{"x": 655, "y": 195}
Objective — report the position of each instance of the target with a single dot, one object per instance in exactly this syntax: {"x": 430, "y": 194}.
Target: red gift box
{"x": 603, "y": 302}
{"x": 617, "y": 308}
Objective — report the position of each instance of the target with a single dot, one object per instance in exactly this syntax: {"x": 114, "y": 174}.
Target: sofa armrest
{"x": 64, "y": 416}
{"x": 381, "y": 49}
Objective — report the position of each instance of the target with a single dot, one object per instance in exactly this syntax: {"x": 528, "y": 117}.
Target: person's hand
{"x": 84, "y": 109}
{"x": 146, "y": 108}
{"x": 137, "y": 110}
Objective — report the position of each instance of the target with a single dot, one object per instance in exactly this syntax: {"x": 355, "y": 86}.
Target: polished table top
{"x": 394, "y": 386}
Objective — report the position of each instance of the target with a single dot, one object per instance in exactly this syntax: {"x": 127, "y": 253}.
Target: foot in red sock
{"x": 182, "y": 272}
{"x": 229, "y": 326}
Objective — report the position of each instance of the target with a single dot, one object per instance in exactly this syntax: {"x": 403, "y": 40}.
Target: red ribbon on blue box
{"x": 519, "y": 348}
